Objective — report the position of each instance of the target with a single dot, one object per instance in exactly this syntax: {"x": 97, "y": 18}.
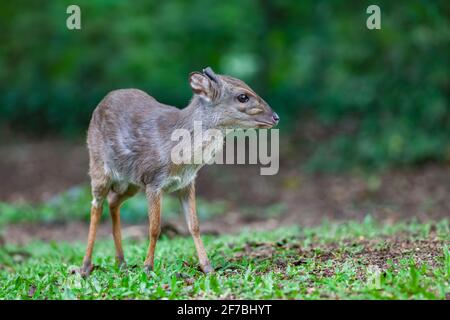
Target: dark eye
{"x": 243, "y": 98}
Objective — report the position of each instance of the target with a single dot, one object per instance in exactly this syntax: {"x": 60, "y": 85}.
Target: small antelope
{"x": 130, "y": 150}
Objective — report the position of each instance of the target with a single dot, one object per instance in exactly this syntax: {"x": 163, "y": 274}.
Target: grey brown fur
{"x": 130, "y": 147}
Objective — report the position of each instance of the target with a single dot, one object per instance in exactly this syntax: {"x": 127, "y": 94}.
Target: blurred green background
{"x": 379, "y": 97}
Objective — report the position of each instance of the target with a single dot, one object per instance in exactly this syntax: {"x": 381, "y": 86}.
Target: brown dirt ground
{"x": 366, "y": 252}
{"x": 35, "y": 171}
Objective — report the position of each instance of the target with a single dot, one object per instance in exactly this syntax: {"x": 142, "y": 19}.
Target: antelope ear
{"x": 201, "y": 85}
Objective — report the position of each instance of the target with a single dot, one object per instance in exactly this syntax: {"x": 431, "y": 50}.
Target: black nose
{"x": 275, "y": 118}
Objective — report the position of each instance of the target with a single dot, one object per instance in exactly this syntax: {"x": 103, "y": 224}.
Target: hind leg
{"x": 115, "y": 200}
{"x": 99, "y": 192}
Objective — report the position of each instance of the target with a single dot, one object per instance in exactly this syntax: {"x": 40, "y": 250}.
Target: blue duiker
{"x": 130, "y": 150}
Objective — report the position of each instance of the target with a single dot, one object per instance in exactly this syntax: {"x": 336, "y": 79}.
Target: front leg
{"x": 187, "y": 199}
{"x": 154, "y": 215}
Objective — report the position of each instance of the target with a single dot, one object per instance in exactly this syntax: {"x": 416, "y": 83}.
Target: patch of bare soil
{"x": 421, "y": 193}
{"x": 383, "y": 253}
{"x": 36, "y": 171}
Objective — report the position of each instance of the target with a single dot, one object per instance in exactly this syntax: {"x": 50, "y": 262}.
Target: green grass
{"x": 331, "y": 261}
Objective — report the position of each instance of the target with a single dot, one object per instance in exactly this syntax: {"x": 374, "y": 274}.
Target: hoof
{"x": 121, "y": 264}
{"x": 148, "y": 269}
{"x": 86, "y": 269}
{"x": 207, "y": 268}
